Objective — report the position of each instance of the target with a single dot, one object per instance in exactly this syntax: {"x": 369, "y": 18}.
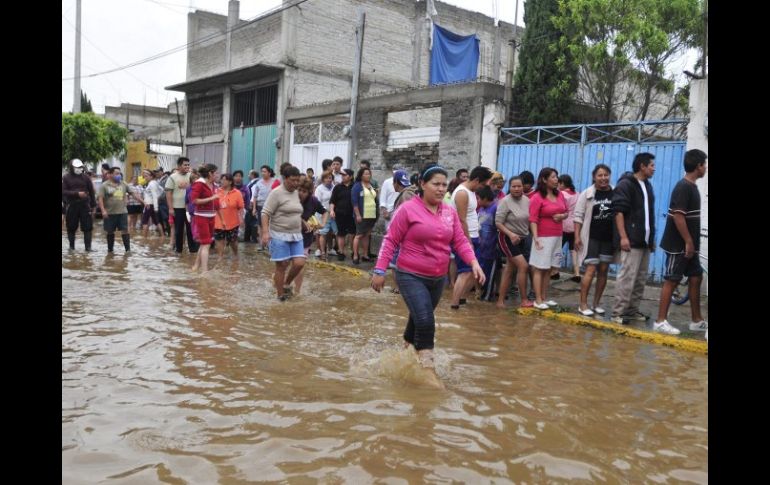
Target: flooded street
{"x": 175, "y": 378}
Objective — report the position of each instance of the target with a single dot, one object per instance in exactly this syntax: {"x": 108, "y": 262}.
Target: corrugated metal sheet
{"x": 242, "y": 149}
{"x": 206, "y": 153}
{"x": 579, "y": 161}
{"x": 252, "y": 147}
{"x": 264, "y": 146}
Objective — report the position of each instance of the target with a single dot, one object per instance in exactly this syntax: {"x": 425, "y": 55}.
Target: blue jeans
{"x": 421, "y": 295}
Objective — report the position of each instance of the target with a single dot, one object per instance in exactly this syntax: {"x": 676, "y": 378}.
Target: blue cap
{"x": 401, "y": 177}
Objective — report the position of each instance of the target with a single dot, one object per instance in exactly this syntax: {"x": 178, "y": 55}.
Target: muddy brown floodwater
{"x": 173, "y": 378}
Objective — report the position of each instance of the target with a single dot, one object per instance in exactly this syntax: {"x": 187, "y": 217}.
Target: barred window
{"x": 267, "y": 104}
{"x": 255, "y": 106}
{"x": 205, "y": 116}
{"x": 243, "y": 109}
{"x": 332, "y": 131}
{"x": 304, "y": 134}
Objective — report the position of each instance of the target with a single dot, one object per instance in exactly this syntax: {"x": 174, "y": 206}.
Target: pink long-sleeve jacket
{"x": 423, "y": 238}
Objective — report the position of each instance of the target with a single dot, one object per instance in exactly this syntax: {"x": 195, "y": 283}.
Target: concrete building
{"x": 156, "y": 123}
{"x": 278, "y": 88}
{"x": 155, "y": 139}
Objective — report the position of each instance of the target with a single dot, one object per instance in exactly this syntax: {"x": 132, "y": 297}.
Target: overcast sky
{"x": 119, "y": 32}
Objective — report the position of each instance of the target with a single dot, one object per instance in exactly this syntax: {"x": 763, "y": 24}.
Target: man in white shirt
{"x": 391, "y": 188}
{"x": 337, "y": 169}
{"x": 464, "y": 199}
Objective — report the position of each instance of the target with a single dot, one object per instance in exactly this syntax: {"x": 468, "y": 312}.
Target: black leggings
{"x": 180, "y": 227}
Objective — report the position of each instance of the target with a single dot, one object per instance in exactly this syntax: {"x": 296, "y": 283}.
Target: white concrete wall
{"x": 697, "y": 137}
{"x": 494, "y": 115}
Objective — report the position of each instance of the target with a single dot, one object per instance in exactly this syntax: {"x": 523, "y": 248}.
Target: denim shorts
{"x": 331, "y": 225}
{"x": 461, "y": 266}
{"x": 283, "y": 250}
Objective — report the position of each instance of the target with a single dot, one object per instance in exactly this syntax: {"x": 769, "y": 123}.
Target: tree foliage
{"x": 622, "y": 49}
{"x": 90, "y": 138}
{"x": 85, "y": 103}
{"x": 546, "y": 78}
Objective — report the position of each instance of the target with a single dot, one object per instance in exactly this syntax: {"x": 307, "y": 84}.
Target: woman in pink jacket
{"x": 423, "y": 229}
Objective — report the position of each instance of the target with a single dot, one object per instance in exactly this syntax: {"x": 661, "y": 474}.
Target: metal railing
{"x": 657, "y": 131}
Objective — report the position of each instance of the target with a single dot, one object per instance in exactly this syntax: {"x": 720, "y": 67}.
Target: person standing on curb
{"x": 681, "y": 243}
{"x": 634, "y": 206}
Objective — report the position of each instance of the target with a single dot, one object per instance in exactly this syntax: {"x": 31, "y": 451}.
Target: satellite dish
{"x": 346, "y": 130}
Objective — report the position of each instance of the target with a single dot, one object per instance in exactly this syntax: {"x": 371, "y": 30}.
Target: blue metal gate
{"x": 252, "y": 147}
{"x": 576, "y": 149}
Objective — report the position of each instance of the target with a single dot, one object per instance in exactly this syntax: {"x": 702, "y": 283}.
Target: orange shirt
{"x": 229, "y": 204}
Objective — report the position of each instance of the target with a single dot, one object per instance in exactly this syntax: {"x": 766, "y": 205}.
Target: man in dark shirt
{"x": 341, "y": 210}
{"x": 633, "y": 203}
{"x": 681, "y": 242}
{"x": 78, "y": 191}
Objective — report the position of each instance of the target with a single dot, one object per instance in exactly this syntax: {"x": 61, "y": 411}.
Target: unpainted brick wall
{"x": 413, "y": 158}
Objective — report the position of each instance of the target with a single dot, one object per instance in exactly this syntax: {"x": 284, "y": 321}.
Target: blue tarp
{"x": 454, "y": 58}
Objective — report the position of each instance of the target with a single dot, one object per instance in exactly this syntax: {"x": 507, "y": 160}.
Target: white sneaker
{"x": 587, "y": 312}
{"x": 541, "y": 306}
{"x": 332, "y": 252}
{"x": 599, "y": 310}
{"x": 701, "y": 326}
{"x": 665, "y": 327}
{"x": 317, "y": 253}
{"x": 551, "y": 303}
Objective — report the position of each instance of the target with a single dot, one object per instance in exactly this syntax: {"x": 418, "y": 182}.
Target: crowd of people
{"x": 466, "y": 232}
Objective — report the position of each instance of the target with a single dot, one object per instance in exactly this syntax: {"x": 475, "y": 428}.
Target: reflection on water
{"x": 178, "y": 378}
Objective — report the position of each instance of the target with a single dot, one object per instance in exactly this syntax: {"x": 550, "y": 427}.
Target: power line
{"x": 107, "y": 56}
{"x": 191, "y": 44}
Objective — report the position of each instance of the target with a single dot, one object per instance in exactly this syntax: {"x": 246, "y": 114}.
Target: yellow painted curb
{"x": 687, "y": 344}
{"x": 336, "y": 267}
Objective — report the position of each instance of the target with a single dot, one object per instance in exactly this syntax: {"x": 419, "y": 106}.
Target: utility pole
{"x": 353, "y": 145}
{"x": 76, "y": 96}
{"x": 179, "y": 122}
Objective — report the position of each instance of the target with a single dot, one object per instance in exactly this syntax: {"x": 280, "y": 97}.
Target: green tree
{"x": 546, "y": 78}
{"x": 85, "y": 104}
{"x": 623, "y": 48}
{"x": 90, "y": 138}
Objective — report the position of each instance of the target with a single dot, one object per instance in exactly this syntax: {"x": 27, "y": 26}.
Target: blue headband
{"x": 435, "y": 167}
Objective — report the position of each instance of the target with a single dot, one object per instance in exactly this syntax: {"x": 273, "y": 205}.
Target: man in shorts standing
{"x": 681, "y": 242}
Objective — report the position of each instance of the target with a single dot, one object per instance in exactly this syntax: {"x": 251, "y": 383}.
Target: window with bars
{"x": 255, "y": 106}
{"x": 304, "y": 134}
{"x": 244, "y": 109}
{"x": 205, "y": 116}
{"x": 267, "y": 104}
{"x": 333, "y": 131}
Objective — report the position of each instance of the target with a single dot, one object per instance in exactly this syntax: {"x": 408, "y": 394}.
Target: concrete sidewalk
{"x": 567, "y": 294}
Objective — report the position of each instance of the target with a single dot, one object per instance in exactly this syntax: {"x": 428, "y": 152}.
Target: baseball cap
{"x": 401, "y": 177}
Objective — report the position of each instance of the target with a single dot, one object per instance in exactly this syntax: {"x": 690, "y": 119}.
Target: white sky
{"x": 118, "y": 32}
